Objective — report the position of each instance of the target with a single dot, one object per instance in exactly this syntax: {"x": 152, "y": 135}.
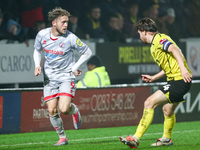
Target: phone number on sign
{"x": 105, "y": 102}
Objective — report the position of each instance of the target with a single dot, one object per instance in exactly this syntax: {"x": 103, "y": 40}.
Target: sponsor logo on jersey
{"x": 61, "y": 45}
{"x": 44, "y": 42}
{"x": 162, "y": 41}
{"x": 53, "y": 52}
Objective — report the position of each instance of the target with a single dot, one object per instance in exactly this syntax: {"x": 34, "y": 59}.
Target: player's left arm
{"x": 85, "y": 56}
{"x": 179, "y": 57}
{"x": 83, "y": 49}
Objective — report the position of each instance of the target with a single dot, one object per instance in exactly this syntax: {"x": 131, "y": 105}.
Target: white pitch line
{"x": 100, "y": 138}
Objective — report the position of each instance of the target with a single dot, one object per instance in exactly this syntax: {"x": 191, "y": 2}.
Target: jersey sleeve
{"x": 38, "y": 44}
{"x": 164, "y": 44}
{"x": 78, "y": 44}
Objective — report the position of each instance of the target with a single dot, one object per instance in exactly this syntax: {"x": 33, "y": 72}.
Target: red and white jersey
{"x": 59, "y": 53}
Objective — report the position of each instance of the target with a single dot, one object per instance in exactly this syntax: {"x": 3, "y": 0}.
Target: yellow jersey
{"x": 97, "y": 77}
{"x": 165, "y": 60}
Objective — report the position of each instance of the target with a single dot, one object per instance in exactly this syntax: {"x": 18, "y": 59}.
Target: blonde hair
{"x": 55, "y": 13}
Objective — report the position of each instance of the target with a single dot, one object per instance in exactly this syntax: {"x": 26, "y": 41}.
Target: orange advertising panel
{"x": 106, "y": 107}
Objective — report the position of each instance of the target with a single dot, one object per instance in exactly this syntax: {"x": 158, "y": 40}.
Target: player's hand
{"x": 186, "y": 75}
{"x": 77, "y": 73}
{"x": 147, "y": 78}
{"x": 37, "y": 71}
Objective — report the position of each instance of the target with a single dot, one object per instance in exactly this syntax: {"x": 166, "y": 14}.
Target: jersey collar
{"x": 53, "y": 39}
{"x": 153, "y": 38}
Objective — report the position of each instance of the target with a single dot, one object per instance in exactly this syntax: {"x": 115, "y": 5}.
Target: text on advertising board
{"x": 15, "y": 63}
{"x": 135, "y": 54}
{"x": 111, "y": 107}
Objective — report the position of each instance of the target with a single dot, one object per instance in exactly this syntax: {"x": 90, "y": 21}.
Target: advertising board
{"x": 99, "y": 108}
{"x": 10, "y": 112}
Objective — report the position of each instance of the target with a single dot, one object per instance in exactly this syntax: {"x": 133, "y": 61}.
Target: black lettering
{"x": 28, "y": 63}
{"x": 2, "y": 58}
{"x": 15, "y": 61}
{"x": 21, "y": 64}
{"x": 9, "y": 67}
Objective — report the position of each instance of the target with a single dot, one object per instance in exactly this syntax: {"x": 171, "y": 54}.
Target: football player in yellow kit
{"x": 170, "y": 59}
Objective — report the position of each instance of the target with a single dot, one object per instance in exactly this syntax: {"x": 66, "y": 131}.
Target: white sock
{"x": 74, "y": 109}
{"x": 57, "y": 123}
{"x": 136, "y": 138}
{"x": 164, "y": 139}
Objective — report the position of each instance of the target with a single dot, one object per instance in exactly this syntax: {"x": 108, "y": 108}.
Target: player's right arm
{"x": 37, "y": 52}
{"x": 37, "y": 60}
{"x": 148, "y": 78}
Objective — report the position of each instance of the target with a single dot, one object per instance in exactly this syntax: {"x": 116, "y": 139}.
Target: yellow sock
{"x": 169, "y": 125}
{"x": 144, "y": 122}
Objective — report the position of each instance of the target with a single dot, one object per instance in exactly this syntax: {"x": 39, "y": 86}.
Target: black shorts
{"x": 175, "y": 90}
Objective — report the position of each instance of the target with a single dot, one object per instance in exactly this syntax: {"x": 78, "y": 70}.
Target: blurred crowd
{"x": 99, "y": 20}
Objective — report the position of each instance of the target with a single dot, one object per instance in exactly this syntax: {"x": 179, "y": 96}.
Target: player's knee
{"x": 52, "y": 111}
{"x": 167, "y": 112}
{"x": 65, "y": 110}
{"x": 149, "y": 104}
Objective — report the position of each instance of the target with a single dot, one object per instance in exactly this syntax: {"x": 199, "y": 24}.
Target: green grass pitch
{"x": 186, "y": 136}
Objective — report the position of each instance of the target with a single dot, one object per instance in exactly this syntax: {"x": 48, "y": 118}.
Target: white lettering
{"x": 181, "y": 107}
{"x": 105, "y": 102}
{"x": 111, "y": 117}
{"x": 188, "y": 103}
{"x": 40, "y": 113}
{"x": 189, "y": 107}
{"x": 143, "y": 68}
{"x": 130, "y": 99}
{"x": 42, "y": 102}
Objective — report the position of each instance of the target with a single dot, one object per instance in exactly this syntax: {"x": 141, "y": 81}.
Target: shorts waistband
{"x": 175, "y": 78}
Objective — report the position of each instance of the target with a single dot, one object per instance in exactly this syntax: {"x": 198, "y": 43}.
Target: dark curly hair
{"x": 146, "y": 24}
